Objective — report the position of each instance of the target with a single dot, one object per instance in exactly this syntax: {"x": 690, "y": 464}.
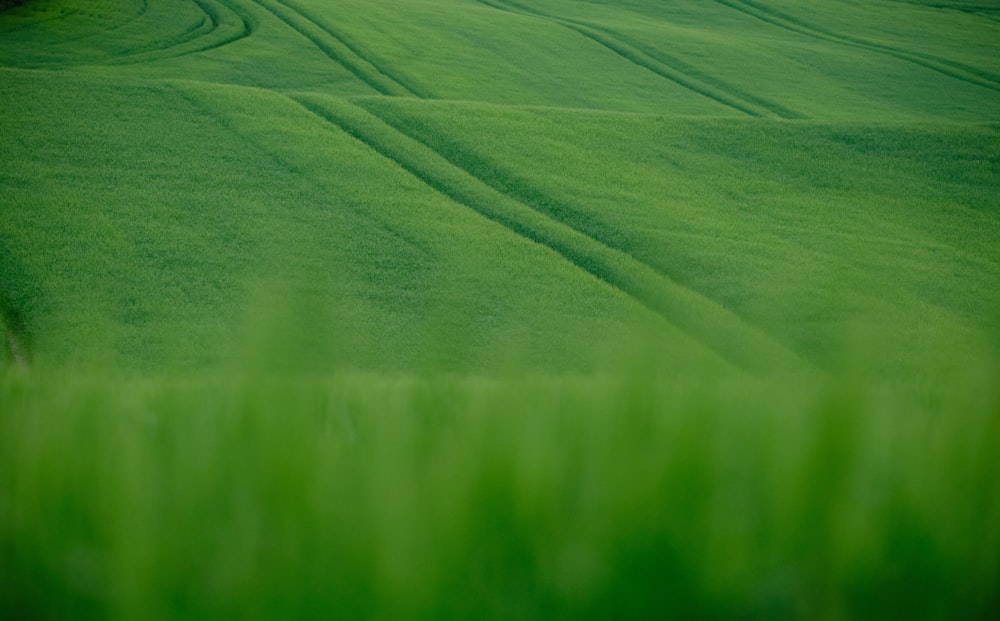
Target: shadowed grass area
{"x": 535, "y": 498}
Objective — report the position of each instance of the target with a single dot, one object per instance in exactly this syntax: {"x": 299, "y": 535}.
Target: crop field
{"x": 499, "y": 309}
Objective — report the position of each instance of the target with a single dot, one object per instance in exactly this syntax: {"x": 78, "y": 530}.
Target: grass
{"x": 497, "y": 309}
{"x": 685, "y": 199}
{"x": 580, "y": 497}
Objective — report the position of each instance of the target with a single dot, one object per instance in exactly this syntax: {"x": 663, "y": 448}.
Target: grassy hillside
{"x": 705, "y": 186}
{"x": 559, "y": 308}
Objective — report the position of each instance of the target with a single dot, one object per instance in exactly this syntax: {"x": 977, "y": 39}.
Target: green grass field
{"x": 502, "y": 309}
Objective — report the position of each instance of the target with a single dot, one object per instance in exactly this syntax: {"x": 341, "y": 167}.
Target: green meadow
{"x": 499, "y": 309}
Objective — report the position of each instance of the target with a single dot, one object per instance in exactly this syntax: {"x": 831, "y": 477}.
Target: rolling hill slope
{"x": 493, "y": 309}
{"x": 733, "y": 176}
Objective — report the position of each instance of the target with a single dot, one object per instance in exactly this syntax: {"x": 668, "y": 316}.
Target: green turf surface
{"x": 391, "y": 269}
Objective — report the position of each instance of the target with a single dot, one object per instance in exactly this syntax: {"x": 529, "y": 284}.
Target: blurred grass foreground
{"x": 618, "y": 497}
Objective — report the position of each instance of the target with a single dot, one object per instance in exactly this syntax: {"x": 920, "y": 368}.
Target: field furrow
{"x": 990, "y": 13}
{"x": 616, "y": 239}
{"x": 711, "y": 85}
{"x": 364, "y": 58}
{"x": 720, "y": 329}
{"x": 958, "y": 71}
{"x": 202, "y": 25}
{"x": 335, "y": 48}
{"x": 662, "y": 68}
{"x": 223, "y": 24}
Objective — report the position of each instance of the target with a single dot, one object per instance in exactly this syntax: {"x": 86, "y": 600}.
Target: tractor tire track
{"x": 516, "y": 188}
{"x": 356, "y": 50}
{"x": 144, "y": 5}
{"x": 990, "y": 13}
{"x": 985, "y": 13}
{"x": 377, "y": 221}
{"x": 334, "y": 49}
{"x": 203, "y": 28}
{"x": 221, "y": 24}
{"x": 224, "y": 23}
{"x": 228, "y": 15}
{"x": 709, "y": 323}
{"x": 663, "y": 66}
{"x": 952, "y": 69}
{"x": 764, "y": 105}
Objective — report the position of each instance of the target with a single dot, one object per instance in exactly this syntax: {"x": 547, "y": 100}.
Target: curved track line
{"x": 279, "y": 160}
{"x": 517, "y": 190}
{"x": 664, "y": 67}
{"x": 203, "y": 28}
{"x": 708, "y": 80}
{"x": 226, "y": 24}
{"x": 223, "y": 15}
{"x": 949, "y": 68}
{"x": 741, "y": 344}
{"x": 70, "y": 13}
{"x": 220, "y": 26}
{"x": 354, "y": 49}
{"x": 335, "y": 50}
{"x": 990, "y": 13}
{"x": 984, "y": 13}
